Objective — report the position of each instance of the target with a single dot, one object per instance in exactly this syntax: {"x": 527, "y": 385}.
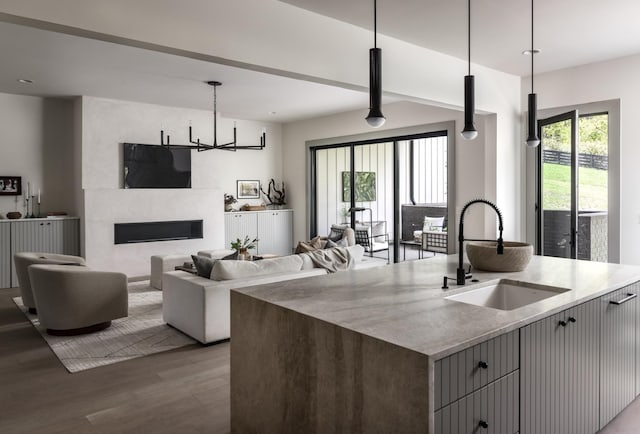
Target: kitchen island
{"x": 382, "y": 350}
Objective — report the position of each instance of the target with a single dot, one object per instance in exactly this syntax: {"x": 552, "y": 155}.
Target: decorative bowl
{"x": 14, "y": 215}
{"x": 483, "y": 255}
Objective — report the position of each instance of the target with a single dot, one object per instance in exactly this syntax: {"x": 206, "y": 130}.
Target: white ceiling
{"x": 569, "y": 32}
{"x": 63, "y": 65}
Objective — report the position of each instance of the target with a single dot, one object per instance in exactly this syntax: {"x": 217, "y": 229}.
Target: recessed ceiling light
{"x": 528, "y": 52}
{"x": 25, "y": 81}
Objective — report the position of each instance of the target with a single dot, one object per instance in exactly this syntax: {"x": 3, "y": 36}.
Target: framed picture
{"x": 10, "y": 185}
{"x": 365, "y": 186}
{"x": 248, "y": 189}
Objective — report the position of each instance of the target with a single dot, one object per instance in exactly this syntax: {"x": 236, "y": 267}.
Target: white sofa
{"x": 200, "y": 307}
{"x": 164, "y": 263}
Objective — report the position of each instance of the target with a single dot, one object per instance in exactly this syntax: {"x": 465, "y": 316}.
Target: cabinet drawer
{"x": 493, "y": 410}
{"x": 467, "y": 371}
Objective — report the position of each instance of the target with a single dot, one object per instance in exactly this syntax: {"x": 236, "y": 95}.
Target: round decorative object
{"x": 14, "y": 215}
{"x": 483, "y": 255}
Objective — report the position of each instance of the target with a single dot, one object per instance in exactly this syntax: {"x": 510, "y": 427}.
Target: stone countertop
{"x": 404, "y": 304}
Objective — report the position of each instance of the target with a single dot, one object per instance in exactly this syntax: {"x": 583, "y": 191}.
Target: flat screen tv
{"x": 154, "y": 166}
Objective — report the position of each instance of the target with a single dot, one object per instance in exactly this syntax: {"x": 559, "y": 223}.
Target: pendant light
{"x": 532, "y": 139}
{"x": 469, "y": 132}
{"x": 375, "y": 118}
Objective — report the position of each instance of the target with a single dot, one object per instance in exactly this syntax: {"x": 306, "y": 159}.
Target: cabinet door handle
{"x": 566, "y": 323}
{"x": 624, "y": 300}
{"x": 483, "y": 424}
{"x": 483, "y": 365}
{"x": 41, "y": 224}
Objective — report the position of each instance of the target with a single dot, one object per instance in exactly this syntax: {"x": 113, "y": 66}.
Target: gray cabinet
{"x": 36, "y": 235}
{"x": 618, "y": 351}
{"x": 464, "y": 372}
{"x": 491, "y": 409}
{"x": 477, "y": 389}
{"x": 274, "y": 229}
{"x": 559, "y": 369}
{"x": 5, "y": 255}
{"x": 240, "y": 225}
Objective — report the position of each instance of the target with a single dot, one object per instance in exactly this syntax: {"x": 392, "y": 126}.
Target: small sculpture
{"x": 275, "y": 197}
{"x": 229, "y": 200}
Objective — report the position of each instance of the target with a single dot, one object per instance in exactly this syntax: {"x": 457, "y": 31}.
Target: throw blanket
{"x": 332, "y": 260}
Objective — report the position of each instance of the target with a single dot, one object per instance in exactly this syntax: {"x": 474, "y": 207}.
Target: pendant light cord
{"x": 469, "y": 34}
{"x": 215, "y": 116}
{"x": 375, "y": 24}
{"x": 532, "y": 51}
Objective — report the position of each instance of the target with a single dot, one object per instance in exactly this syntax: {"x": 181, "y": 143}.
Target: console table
{"x": 272, "y": 228}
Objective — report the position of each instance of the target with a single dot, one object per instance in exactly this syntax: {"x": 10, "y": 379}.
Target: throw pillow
{"x": 203, "y": 265}
{"x": 378, "y": 229}
{"x": 433, "y": 224}
{"x": 337, "y": 232}
{"x": 309, "y": 246}
{"x": 330, "y": 244}
{"x": 232, "y": 257}
{"x": 230, "y": 270}
{"x": 342, "y": 242}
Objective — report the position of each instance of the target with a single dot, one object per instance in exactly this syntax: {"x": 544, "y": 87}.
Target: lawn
{"x": 592, "y": 187}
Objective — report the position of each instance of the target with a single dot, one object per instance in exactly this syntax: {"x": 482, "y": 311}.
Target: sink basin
{"x": 505, "y": 294}
{"x": 483, "y": 255}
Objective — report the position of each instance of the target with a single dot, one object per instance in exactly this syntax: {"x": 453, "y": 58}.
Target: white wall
{"x": 106, "y": 124}
{"x": 37, "y": 144}
{"x": 615, "y": 79}
{"x": 469, "y": 155}
{"x": 298, "y": 43}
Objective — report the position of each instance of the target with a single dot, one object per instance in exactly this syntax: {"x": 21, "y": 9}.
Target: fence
{"x": 584, "y": 160}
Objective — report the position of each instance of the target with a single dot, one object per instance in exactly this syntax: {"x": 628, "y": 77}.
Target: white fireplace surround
{"x": 104, "y": 208}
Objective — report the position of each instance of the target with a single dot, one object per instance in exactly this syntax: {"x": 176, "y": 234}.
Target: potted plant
{"x": 243, "y": 246}
{"x": 344, "y": 213}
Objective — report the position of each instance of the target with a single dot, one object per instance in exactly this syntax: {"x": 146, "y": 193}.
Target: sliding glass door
{"x": 349, "y": 177}
{"x": 390, "y": 185}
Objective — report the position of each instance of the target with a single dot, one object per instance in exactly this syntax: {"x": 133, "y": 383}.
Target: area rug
{"x": 142, "y": 333}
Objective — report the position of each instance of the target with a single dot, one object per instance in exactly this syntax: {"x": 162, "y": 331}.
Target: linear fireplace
{"x": 145, "y": 232}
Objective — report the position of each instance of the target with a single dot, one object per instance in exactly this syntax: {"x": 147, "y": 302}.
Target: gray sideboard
{"x": 57, "y": 235}
{"x": 273, "y": 228}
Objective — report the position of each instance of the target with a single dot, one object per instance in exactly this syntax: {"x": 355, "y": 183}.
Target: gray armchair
{"x": 22, "y": 262}
{"x": 77, "y": 300}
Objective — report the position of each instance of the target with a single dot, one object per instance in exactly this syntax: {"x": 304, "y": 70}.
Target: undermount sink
{"x": 506, "y": 294}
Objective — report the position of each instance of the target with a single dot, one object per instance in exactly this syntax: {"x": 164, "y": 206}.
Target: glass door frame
{"x": 388, "y": 136}
{"x": 572, "y": 116}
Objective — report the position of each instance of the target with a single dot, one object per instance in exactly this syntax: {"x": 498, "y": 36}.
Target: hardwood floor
{"x": 180, "y": 391}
